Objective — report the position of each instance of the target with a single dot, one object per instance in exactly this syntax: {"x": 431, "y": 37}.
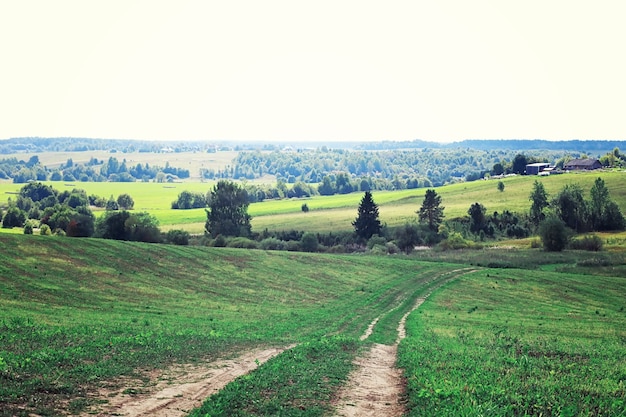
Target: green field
{"x": 337, "y": 212}
{"x": 77, "y": 314}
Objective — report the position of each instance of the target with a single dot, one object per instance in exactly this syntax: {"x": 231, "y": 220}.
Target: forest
{"x": 303, "y": 171}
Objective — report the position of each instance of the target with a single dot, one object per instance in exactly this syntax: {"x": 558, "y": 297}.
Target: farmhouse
{"x": 536, "y": 168}
{"x": 582, "y": 164}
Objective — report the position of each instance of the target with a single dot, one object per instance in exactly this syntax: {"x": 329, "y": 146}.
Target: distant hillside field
{"x": 334, "y": 213}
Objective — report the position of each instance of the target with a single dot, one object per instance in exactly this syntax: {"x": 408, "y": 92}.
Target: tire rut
{"x": 377, "y": 387}
{"x": 180, "y": 389}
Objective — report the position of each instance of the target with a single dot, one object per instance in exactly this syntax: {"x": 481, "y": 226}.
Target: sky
{"x": 443, "y": 70}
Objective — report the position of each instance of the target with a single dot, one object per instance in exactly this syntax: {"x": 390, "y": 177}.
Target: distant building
{"x": 582, "y": 164}
{"x": 536, "y": 168}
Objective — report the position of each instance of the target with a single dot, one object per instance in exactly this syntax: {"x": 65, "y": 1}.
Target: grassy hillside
{"x": 335, "y": 213}
{"x": 77, "y": 312}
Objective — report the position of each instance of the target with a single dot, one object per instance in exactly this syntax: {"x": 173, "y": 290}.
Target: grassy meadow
{"x": 510, "y": 342}
{"x": 76, "y": 314}
{"x": 337, "y": 212}
{"x": 514, "y": 331}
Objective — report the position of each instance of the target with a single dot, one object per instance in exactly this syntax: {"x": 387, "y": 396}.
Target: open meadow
{"x": 82, "y": 315}
{"x": 338, "y": 211}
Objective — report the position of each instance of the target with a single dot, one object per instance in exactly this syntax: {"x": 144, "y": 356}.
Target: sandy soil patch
{"x": 176, "y": 391}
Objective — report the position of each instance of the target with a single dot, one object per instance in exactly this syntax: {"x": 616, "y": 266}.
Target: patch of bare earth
{"x": 176, "y": 391}
{"x": 376, "y": 387}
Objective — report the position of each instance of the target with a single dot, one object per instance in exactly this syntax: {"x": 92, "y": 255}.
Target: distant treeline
{"x": 68, "y": 144}
{"x": 382, "y": 166}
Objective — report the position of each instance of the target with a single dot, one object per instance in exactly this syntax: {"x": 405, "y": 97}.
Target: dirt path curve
{"x": 176, "y": 391}
{"x": 376, "y": 387}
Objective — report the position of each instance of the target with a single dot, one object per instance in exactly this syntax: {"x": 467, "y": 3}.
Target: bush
{"x": 455, "y": 241}
{"x": 242, "y": 243}
{"x": 219, "y": 242}
{"x": 44, "y": 230}
{"x": 591, "y": 243}
{"x": 271, "y": 243}
{"x": 28, "y": 228}
{"x": 554, "y": 234}
{"x": 376, "y": 240}
{"x": 177, "y": 237}
{"x": 309, "y": 242}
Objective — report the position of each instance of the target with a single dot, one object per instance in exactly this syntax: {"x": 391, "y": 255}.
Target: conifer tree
{"x": 367, "y": 224}
{"x": 431, "y": 211}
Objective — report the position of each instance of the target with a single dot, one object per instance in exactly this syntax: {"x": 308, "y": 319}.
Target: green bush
{"x": 554, "y": 234}
{"x": 242, "y": 243}
{"x": 271, "y": 243}
{"x": 376, "y": 240}
{"x": 592, "y": 243}
{"x": 177, "y": 237}
{"x": 44, "y": 230}
{"x": 309, "y": 242}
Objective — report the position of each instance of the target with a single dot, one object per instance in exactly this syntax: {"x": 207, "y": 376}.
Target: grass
{"x": 512, "y": 342}
{"x": 337, "y": 212}
{"x": 77, "y": 312}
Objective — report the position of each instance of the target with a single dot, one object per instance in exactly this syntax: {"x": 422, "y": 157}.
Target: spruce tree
{"x": 431, "y": 211}
{"x": 367, "y": 224}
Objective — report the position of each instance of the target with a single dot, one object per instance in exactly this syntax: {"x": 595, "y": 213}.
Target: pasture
{"x": 335, "y": 213}
{"x": 78, "y": 315}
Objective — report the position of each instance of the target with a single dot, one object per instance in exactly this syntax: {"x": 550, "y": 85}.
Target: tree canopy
{"x": 227, "y": 214}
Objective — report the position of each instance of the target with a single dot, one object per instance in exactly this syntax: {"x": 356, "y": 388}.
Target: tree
{"x": 518, "y": 166}
{"x": 367, "y": 223}
{"x": 431, "y": 211}
{"x": 604, "y": 214}
{"x": 125, "y": 202}
{"x": 14, "y": 217}
{"x": 539, "y": 199}
{"x": 554, "y": 234}
{"x": 123, "y": 225}
{"x": 500, "y": 186}
{"x": 309, "y": 242}
{"x": 570, "y": 206}
{"x": 228, "y": 210}
{"x": 407, "y": 237}
{"x": 478, "y": 219}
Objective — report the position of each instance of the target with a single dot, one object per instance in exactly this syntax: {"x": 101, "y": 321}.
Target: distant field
{"x": 334, "y": 213}
{"x": 193, "y": 161}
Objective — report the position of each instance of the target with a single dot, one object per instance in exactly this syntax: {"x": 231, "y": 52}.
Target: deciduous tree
{"x": 227, "y": 214}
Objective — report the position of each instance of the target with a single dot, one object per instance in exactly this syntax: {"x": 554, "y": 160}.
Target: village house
{"x": 582, "y": 165}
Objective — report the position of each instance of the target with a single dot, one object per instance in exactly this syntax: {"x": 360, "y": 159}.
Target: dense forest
{"x": 301, "y": 171}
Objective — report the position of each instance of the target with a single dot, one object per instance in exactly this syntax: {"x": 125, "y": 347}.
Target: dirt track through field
{"x": 376, "y": 387}
{"x": 176, "y": 391}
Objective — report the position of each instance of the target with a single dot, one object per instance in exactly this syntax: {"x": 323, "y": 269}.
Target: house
{"x": 536, "y": 168}
{"x": 582, "y": 164}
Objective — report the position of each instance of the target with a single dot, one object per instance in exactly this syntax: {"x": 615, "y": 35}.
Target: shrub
{"x": 44, "y": 230}
{"x": 455, "y": 241}
{"x": 309, "y": 242}
{"x": 219, "y": 242}
{"x": 28, "y": 228}
{"x": 592, "y": 243}
{"x": 177, "y": 237}
{"x": 242, "y": 242}
{"x": 554, "y": 234}
{"x": 376, "y": 240}
{"x": 293, "y": 246}
{"x": 271, "y": 243}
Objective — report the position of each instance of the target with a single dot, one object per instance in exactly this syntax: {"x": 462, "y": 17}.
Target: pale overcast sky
{"x": 316, "y": 70}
